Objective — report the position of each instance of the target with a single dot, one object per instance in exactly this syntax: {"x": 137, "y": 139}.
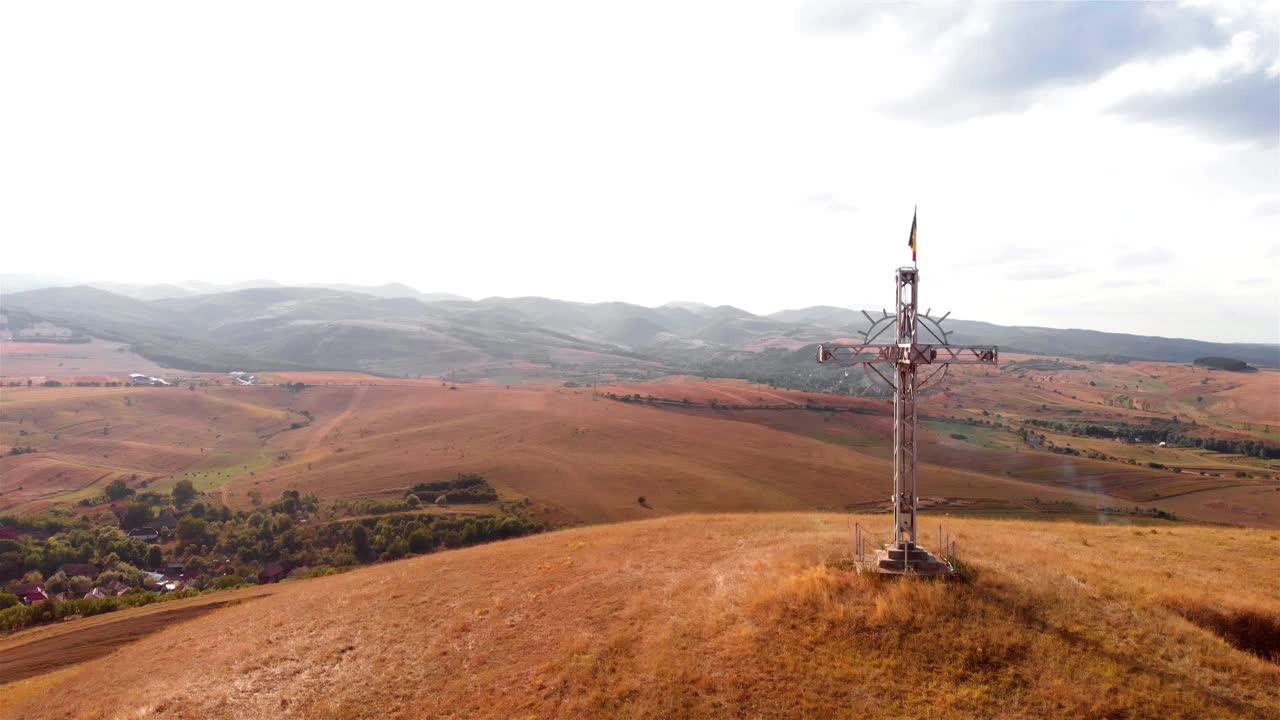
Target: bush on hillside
{"x": 464, "y": 488}
{"x": 1223, "y": 363}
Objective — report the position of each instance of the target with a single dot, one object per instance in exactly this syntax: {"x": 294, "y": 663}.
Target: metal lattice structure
{"x": 907, "y": 365}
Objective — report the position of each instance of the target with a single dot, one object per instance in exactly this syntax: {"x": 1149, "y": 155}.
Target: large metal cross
{"x": 901, "y": 361}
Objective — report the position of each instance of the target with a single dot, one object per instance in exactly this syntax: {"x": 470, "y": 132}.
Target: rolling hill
{"x": 711, "y": 616}
{"x": 14, "y": 282}
{"x": 303, "y": 328}
{"x": 1084, "y": 344}
{"x": 580, "y": 455}
{"x": 394, "y": 330}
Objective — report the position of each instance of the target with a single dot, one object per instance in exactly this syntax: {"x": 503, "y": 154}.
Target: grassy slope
{"x": 724, "y": 616}
{"x": 210, "y": 435}
{"x": 583, "y": 458}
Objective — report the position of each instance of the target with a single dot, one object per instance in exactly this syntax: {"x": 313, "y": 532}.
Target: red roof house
{"x": 275, "y": 572}
{"x": 86, "y": 569}
{"x": 115, "y": 587}
{"x": 31, "y": 593}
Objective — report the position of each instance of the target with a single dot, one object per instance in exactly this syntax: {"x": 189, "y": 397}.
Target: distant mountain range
{"x": 397, "y": 330}
{"x": 13, "y": 283}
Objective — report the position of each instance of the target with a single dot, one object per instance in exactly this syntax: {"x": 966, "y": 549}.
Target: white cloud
{"x": 590, "y": 151}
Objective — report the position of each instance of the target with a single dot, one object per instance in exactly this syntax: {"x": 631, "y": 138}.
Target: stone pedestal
{"x": 918, "y": 561}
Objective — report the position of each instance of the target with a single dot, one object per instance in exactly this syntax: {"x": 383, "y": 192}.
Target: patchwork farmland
{"x": 586, "y": 454}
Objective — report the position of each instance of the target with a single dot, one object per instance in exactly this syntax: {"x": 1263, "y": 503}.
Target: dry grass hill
{"x": 580, "y": 456}
{"x": 713, "y": 616}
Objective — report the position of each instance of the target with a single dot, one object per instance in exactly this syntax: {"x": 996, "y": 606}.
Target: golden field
{"x": 711, "y": 616}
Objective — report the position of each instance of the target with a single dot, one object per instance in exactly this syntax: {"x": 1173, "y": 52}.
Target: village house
{"x": 146, "y": 534}
{"x": 95, "y": 594}
{"x": 116, "y": 588}
{"x": 140, "y": 379}
{"x": 74, "y": 569}
{"x": 30, "y": 593}
{"x": 167, "y": 520}
{"x": 275, "y": 572}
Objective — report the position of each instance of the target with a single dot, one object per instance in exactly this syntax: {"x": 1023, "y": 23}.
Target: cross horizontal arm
{"x": 848, "y": 355}
{"x": 966, "y": 354}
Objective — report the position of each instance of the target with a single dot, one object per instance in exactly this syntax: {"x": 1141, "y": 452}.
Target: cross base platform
{"x": 889, "y": 560}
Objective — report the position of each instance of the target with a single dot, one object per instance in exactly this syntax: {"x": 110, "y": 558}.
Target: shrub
{"x": 360, "y": 543}
{"x": 136, "y": 515}
{"x": 192, "y": 531}
{"x": 118, "y": 489}
{"x": 80, "y": 584}
{"x": 183, "y": 492}
{"x": 57, "y": 583}
{"x": 226, "y": 582}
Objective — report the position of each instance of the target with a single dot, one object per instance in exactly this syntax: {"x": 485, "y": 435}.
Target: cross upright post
{"x": 904, "y": 414}
{"x": 907, "y": 355}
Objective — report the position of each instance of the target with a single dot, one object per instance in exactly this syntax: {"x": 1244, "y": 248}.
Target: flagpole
{"x": 915, "y": 235}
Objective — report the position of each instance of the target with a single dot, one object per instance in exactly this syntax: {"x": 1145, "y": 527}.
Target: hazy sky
{"x": 1105, "y": 165}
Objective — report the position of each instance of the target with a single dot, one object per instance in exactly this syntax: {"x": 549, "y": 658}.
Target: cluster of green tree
{"x": 465, "y": 488}
{"x": 1222, "y": 363}
{"x": 19, "y": 616}
{"x": 1040, "y": 365}
{"x": 1067, "y": 506}
{"x": 353, "y": 508}
{"x": 395, "y": 536}
{"x": 221, "y": 548}
{"x": 1172, "y": 432}
{"x": 630, "y": 398}
{"x": 779, "y": 367}
{"x": 976, "y": 422}
{"x": 21, "y": 450}
{"x": 291, "y": 531}
{"x": 1140, "y": 512}
{"x": 56, "y": 538}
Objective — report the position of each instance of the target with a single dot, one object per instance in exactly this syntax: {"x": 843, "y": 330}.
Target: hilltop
{"x": 719, "y": 616}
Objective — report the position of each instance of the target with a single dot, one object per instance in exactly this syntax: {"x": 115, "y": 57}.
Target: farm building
{"x": 140, "y": 379}
{"x": 146, "y": 534}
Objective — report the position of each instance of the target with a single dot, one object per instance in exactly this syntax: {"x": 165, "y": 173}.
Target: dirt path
{"x": 338, "y": 419}
{"x": 42, "y": 649}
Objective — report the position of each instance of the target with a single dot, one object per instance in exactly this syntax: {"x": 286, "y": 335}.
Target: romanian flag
{"x": 912, "y": 240}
